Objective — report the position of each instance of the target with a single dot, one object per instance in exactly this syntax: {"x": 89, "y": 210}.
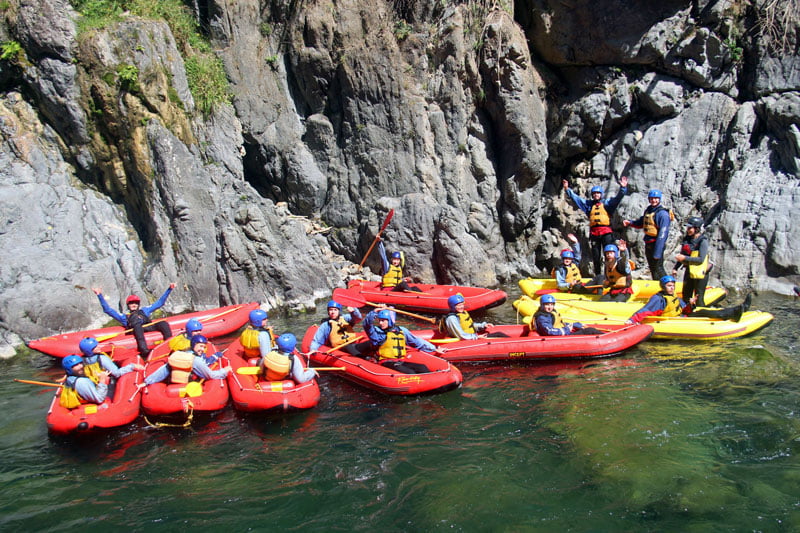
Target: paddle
{"x": 254, "y": 370}
{"x": 377, "y": 237}
{"x": 193, "y": 389}
{"x": 103, "y": 338}
{"x": 425, "y": 318}
{"x": 40, "y": 383}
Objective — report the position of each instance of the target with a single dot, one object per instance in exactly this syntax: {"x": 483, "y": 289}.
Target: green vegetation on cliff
{"x": 204, "y": 70}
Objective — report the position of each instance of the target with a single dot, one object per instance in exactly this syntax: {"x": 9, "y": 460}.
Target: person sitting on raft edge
{"x": 548, "y": 322}
{"x": 390, "y": 342}
{"x": 337, "y": 329}
{"x": 138, "y": 316}
{"x": 666, "y": 304}
{"x": 392, "y": 272}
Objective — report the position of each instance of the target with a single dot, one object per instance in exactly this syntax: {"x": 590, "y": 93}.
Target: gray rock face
{"x": 462, "y": 118}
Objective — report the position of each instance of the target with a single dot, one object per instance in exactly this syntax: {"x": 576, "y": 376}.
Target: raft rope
{"x": 190, "y": 413}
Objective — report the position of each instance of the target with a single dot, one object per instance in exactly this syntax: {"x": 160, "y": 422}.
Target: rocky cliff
{"x": 127, "y": 164}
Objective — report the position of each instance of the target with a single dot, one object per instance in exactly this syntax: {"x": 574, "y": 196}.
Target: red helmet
{"x": 132, "y": 299}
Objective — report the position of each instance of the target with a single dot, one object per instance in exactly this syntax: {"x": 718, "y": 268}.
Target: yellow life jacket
{"x": 93, "y": 370}
{"x": 180, "y": 364}
{"x": 180, "y": 343}
{"x": 673, "y": 306}
{"x": 394, "y": 347}
{"x": 69, "y": 398}
{"x": 698, "y": 271}
{"x": 393, "y": 276}
{"x": 598, "y": 216}
{"x": 249, "y": 340}
{"x": 341, "y": 331}
{"x": 557, "y": 322}
{"x": 616, "y": 278}
{"x": 649, "y": 221}
{"x": 276, "y": 366}
{"x": 572, "y": 272}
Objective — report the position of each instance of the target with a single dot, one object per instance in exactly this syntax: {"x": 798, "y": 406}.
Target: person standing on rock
{"x": 599, "y": 212}
{"x": 138, "y": 316}
{"x": 655, "y": 222}
{"x": 694, "y": 258}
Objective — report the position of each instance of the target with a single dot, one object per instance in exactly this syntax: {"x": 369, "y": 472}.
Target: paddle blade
{"x": 386, "y": 221}
{"x": 248, "y": 370}
{"x": 192, "y": 390}
{"x": 348, "y": 298}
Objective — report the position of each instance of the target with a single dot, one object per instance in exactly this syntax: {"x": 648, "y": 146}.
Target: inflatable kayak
{"x": 216, "y": 322}
{"x": 679, "y": 327}
{"x": 432, "y": 299}
{"x": 443, "y": 376}
{"x": 524, "y": 345}
{"x": 162, "y": 399}
{"x": 120, "y": 410}
{"x": 254, "y": 393}
{"x": 643, "y": 289}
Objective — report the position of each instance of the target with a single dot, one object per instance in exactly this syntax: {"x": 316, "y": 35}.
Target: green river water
{"x": 670, "y": 436}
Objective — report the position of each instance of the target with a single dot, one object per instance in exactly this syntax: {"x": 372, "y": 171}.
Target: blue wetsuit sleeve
{"x": 384, "y": 261}
{"x": 264, "y": 343}
{"x": 157, "y": 304}
{"x": 87, "y": 390}
{"x": 112, "y": 368}
{"x": 320, "y": 337}
{"x": 158, "y": 376}
{"x": 663, "y": 222}
{"x": 416, "y": 342}
{"x": 300, "y": 374}
{"x": 200, "y": 368}
{"x": 113, "y": 313}
{"x": 455, "y": 329}
{"x": 579, "y": 202}
{"x": 612, "y": 203}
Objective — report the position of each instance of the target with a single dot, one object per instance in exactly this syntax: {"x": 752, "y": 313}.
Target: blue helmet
{"x": 193, "y": 325}
{"x": 87, "y": 345}
{"x": 567, "y": 254}
{"x": 454, "y": 300}
{"x": 654, "y": 193}
{"x": 70, "y": 361}
{"x": 396, "y": 255}
{"x": 666, "y": 279}
{"x": 257, "y": 317}
{"x": 286, "y": 342}
{"x": 611, "y": 248}
{"x": 548, "y": 299}
{"x": 334, "y": 303}
{"x": 198, "y": 339}
{"x": 595, "y": 189}
{"x": 386, "y": 314}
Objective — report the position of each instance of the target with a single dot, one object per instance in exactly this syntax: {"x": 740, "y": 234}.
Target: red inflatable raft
{"x": 161, "y": 399}
{"x": 443, "y": 376}
{"x": 216, "y": 322}
{"x": 517, "y": 346}
{"x": 119, "y": 411}
{"x": 432, "y": 299}
{"x": 253, "y": 393}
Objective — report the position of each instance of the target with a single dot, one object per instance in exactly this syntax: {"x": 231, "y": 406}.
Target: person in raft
{"x": 567, "y": 274}
{"x": 392, "y": 272}
{"x": 78, "y": 388}
{"x": 459, "y": 324}
{"x": 390, "y": 342}
{"x": 183, "y": 341}
{"x": 694, "y": 258}
{"x": 666, "y": 304}
{"x": 181, "y": 365}
{"x": 281, "y": 363}
{"x": 138, "y": 316}
{"x": 618, "y": 278}
{"x": 599, "y": 212}
{"x": 548, "y": 321}
{"x": 95, "y": 362}
{"x": 337, "y": 329}
{"x": 257, "y": 339}
{"x": 655, "y": 221}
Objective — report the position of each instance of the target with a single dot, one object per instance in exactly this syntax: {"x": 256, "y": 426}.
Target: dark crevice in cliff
{"x": 254, "y": 164}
